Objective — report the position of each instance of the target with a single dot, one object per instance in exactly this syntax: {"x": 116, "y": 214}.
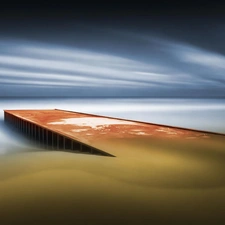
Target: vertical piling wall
{"x": 47, "y": 139}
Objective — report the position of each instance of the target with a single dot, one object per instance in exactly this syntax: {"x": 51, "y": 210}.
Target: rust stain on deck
{"x": 92, "y": 129}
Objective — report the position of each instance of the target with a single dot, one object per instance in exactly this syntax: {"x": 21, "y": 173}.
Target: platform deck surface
{"x": 87, "y": 127}
{"x": 93, "y": 129}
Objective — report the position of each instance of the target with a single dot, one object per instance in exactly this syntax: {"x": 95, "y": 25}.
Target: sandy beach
{"x": 150, "y": 182}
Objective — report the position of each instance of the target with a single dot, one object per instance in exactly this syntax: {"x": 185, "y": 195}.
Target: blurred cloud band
{"x": 168, "y": 68}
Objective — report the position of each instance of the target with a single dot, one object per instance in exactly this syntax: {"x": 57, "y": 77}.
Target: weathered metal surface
{"x": 93, "y": 129}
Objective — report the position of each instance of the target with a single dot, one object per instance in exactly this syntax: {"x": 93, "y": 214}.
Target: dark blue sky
{"x": 156, "y": 49}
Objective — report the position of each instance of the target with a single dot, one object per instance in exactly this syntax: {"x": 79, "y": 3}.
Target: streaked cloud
{"x": 165, "y": 64}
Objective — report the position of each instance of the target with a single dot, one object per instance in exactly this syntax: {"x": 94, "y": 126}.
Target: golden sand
{"x": 149, "y": 182}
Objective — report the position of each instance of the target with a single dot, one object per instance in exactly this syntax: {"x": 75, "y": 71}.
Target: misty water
{"x": 150, "y": 182}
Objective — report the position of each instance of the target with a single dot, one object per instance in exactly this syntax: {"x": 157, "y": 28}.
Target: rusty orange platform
{"x": 60, "y": 129}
